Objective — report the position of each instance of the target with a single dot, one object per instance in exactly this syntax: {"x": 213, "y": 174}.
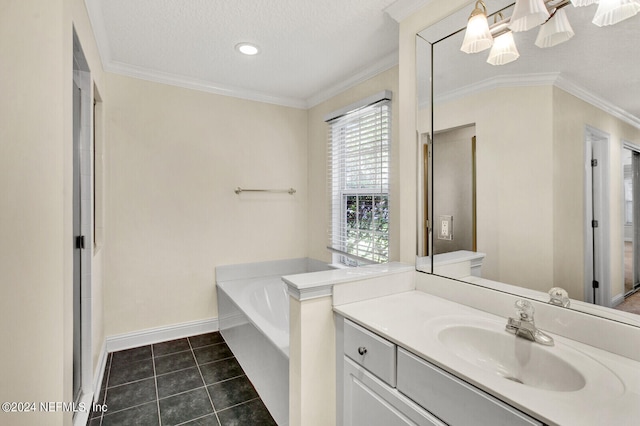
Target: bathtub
{"x": 253, "y": 316}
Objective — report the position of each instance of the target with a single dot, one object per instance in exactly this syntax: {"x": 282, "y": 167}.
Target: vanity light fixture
{"x": 555, "y": 31}
{"x": 549, "y": 14}
{"x": 610, "y": 12}
{"x": 247, "y": 49}
{"x": 477, "y": 36}
{"x": 504, "y": 50}
{"x": 528, "y": 14}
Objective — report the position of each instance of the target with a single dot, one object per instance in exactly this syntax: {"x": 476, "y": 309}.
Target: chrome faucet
{"x": 525, "y": 327}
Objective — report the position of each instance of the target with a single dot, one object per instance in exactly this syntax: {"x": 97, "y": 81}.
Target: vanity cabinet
{"x": 370, "y": 396}
{"x": 384, "y": 384}
{"x": 452, "y": 399}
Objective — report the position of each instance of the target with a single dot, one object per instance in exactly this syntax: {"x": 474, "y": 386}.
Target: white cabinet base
{"x": 370, "y": 402}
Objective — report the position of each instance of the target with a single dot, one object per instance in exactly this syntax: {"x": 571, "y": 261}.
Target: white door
{"x": 597, "y": 225}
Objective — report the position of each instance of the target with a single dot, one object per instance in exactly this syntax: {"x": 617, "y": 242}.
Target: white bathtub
{"x": 253, "y": 315}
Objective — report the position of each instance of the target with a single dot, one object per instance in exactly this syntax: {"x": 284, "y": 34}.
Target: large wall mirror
{"x": 529, "y": 173}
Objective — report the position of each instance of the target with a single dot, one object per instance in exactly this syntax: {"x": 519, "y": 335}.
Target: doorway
{"x": 631, "y": 182}
{"x": 454, "y": 204}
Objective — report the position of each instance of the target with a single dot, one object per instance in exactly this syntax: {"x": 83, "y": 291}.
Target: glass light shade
{"x": 555, "y": 31}
{"x": 528, "y": 14}
{"x": 581, "y": 3}
{"x": 504, "y": 50}
{"x": 477, "y": 36}
{"x": 611, "y": 12}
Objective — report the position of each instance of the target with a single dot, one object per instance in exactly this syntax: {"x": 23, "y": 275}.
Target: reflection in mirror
{"x": 551, "y": 166}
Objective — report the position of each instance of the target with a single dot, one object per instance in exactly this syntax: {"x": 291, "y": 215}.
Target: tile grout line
{"x": 204, "y": 386}
{"x": 241, "y": 403}
{"x": 131, "y": 382}
{"x": 189, "y": 421}
{"x": 183, "y": 392}
{"x": 129, "y": 408}
{"x": 203, "y": 381}
{"x": 155, "y": 381}
{"x": 180, "y": 369}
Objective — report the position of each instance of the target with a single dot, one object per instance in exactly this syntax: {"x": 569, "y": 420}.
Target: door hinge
{"x": 594, "y": 223}
{"x": 80, "y": 242}
{"x": 595, "y": 284}
{"x": 594, "y": 162}
{"x": 426, "y": 223}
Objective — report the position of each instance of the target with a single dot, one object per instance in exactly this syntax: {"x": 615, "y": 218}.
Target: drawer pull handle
{"x": 362, "y": 350}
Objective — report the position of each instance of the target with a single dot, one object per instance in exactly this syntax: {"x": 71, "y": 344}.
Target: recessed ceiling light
{"x": 247, "y": 48}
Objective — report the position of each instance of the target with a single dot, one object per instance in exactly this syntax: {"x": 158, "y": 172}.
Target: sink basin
{"x": 513, "y": 358}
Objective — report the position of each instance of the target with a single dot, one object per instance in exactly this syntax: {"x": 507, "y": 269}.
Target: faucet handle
{"x": 559, "y": 296}
{"x": 525, "y": 310}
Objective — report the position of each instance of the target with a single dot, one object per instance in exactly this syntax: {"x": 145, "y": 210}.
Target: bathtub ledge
{"x": 320, "y": 284}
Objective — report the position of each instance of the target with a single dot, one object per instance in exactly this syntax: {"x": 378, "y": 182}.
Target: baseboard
{"x": 616, "y": 300}
{"x": 160, "y": 334}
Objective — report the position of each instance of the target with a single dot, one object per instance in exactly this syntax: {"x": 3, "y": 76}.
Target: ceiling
{"x": 310, "y": 49}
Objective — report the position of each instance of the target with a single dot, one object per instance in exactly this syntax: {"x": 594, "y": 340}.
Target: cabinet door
{"x": 370, "y": 402}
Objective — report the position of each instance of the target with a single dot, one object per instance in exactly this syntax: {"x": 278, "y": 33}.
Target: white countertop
{"x": 407, "y": 319}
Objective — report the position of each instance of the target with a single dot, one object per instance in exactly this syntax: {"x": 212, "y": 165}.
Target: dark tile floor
{"x": 190, "y": 381}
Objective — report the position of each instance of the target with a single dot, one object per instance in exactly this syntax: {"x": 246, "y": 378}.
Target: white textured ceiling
{"x": 310, "y": 49}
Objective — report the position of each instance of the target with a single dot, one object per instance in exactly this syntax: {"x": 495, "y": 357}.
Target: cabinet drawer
{"x": 451, "y": 399}
{"x": 370, "y": 351}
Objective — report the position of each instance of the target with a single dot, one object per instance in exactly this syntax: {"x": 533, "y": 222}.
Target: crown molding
{"x": 541, "y": 79}
{"x": 521, "y": 80}
{"x": 366, "y": 73}
{"x": 598, "y": 102}
{"x": 201, "y": 85}
{"x": 141, "y": 73}
{"x": 402, "y": 9}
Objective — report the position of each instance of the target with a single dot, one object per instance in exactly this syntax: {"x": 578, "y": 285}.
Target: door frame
{"x": 617, "y": 299}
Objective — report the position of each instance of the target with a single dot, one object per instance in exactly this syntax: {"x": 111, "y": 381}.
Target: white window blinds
{"x": 358, "y": 171}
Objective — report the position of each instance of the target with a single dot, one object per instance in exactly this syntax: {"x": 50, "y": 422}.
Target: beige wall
{"x": 569, "y": 146}
{"x": 511, "y": 217}
{"x": 317, "y": 162}
{"x": 35, "y": 182}
{"x": 174, "y": 158}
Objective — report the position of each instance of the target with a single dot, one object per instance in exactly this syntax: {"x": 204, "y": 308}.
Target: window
{"x": 358, "y": 170}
